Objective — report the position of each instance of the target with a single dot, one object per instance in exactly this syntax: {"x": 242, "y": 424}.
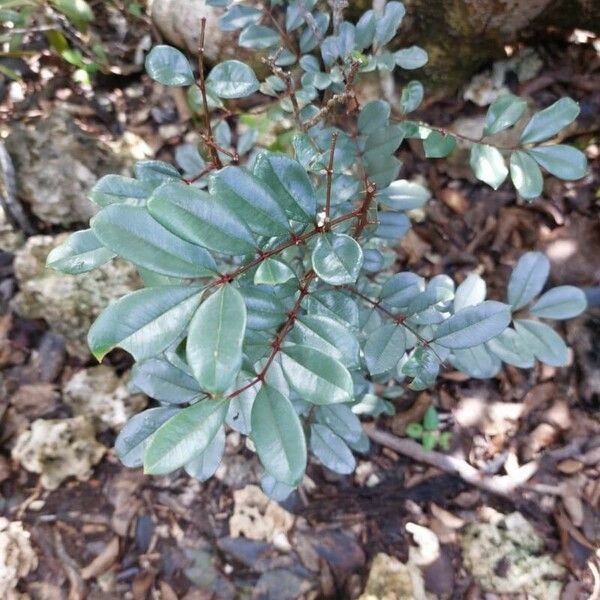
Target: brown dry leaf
{"x": 167, "y": 591}
{"x": 447, "y": 518}
{"x": 454, "y": 199}
{"x": 103, "y": 561}
{"x": 541, "y": 437}
{"x": 142, "y": 583}
{"x": 569, "y": 466}
{"x": 414, "y": 414}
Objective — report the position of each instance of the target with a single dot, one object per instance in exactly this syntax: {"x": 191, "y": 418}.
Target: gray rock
{"x": 68, "y": 303}
{"x": 179, "y": 22}
{"x": 56, "y": 164}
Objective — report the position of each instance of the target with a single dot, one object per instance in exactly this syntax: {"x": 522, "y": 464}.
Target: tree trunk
{"x": 462, "y": 36}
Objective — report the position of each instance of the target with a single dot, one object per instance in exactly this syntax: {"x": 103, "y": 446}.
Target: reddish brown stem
{"x": 202, "y": 85}
{"x": 280, "y": 337}
{"x": 201, "y": 174}
{"x": 329, "y": 179}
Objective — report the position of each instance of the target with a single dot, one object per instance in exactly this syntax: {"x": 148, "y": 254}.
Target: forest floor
{"x": 119, "y": 534}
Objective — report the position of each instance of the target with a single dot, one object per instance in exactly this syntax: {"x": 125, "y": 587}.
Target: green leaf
{"x": 488, "y": 165}
{"x": 203, "y": 466}
{"x": 200, "y": 218}
{"x": 265, "y": 310}
{"x": 400, "y": 289}
{"x": 388, "y": 24}
{"x": 169, "y": 66}
{"x": 473, "y": 325}
{"x": 331, "y": 450}
{"x": 414, "y": 431}
{"x": 258, "y": 37}
{"x": 546, "y": 123}
{"x": 476, "y": 362}
{"x": 78, "y": 12}
{"x": 411, "y": 58}
{"x": 161, "y": 380}
{"x": 233, "y": 79}
{"x": 563, "y": 302}
{"x": 276, "y": 490}
{"x": 511, "y": 348}
{"x": 526, "y": 175}
{"x": 438, "y": 145}
{"x": 431, "y": 420}
{"x": 404, "y": 195}
{"x": 337, "y": 258}
{"x": 384, "y": 347}
{"x": 503, "y": 112}
{"x": 134, "y": 437}
{"x": 544, "y": 342}
{"x": 116, "y": 189}
{"x": 184, "y": 436}
{"x": 144, "y": 322}
{"x": 155, "y": 172}
{"x": 428, "y": 441}
{"x": 365, "y": 30}
{"x": 273, "y": 272}
{"x": 382, "y": 171}
{"x": 527, "y": 279}
{"x": 82, "y": 251}
{"x": 423, "y": 366}
{"x": 278, "y": 436}
{"x": 327, "y": 335}
{"x": 470, "y": 292}
{"x": 134, "y": 235}
{"x": 214, "y": 345}
{"x": 317, "y": 377}
{"x": 564, "y": 162}
{"x": 383, "y": 141}
{"x": 238, "y": 16}
{"x": 341, "y": 420}
{"x": 372, "y": 116}
{"x": 335, "y": 304}
{"x": 239, "y": 413}
{"x": 412, "y": 96}
{"x": 251, "y": 200}
{"x": 289, "y": 183}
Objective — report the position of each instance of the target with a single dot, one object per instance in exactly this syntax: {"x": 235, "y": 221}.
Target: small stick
{"x": 209, "y": 134}
{"x": 504, "y": 486}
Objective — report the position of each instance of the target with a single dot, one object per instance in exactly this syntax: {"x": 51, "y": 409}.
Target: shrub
{"x": 272, "y": 303}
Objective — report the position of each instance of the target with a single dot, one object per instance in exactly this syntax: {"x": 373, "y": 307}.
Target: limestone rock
{"x": 56, "y": 164}
{"x": 17, "y": 558}
{"x": 10, "y": 238}
{"x": 58, "y": 449}
{"x": 101, "y": 396}
{"x": 257, "y": 517}
{"x": 390, "y": 579}
{"x": 510, "y": 542}
{"x": 69, "y": 303}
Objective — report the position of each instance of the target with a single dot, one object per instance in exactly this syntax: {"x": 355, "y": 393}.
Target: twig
{"x": 310, "y": 20}
{"x": 286, "y": 77}
{"x": 329, "y": 178}
{"x": 504, "y": 486}
{"x": 209, "y": 133}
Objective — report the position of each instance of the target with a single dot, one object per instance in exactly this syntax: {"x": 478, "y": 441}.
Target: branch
{"x": 289, "y": 84}
{"x": 504, "y": 486}
{"x": 329, "y": 178}
{"x": 280, "y": 337}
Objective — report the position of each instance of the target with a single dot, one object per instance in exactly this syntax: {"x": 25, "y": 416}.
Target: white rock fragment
{"x": 17, "y": 558}
{"x": 101, "y": 396}
{"x": 58, "y": 449}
